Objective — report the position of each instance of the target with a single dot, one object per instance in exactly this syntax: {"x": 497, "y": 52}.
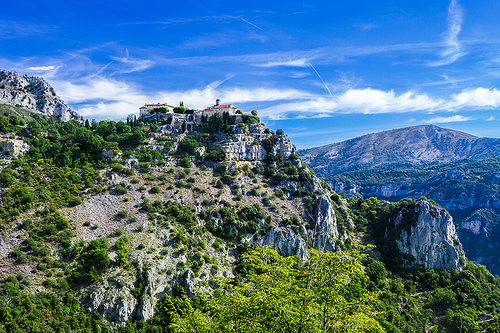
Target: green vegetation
{"x": 202, "y": 212}
{"x": 284, "y": 296}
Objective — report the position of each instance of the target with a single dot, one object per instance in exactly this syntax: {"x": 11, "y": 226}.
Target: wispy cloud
{"x": 453, "y": 50}
{"x": 451, "y": 119}
{"x": 133, "y": 64}
{"x": 15, "y": 29}
{"x": 302, "y": 62}
{"x": 41, "y": 68}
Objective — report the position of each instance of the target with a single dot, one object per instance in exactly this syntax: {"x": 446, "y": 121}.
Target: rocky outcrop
{"x": 247, "y": 146}
{"x": 432, "y": 240}
{"x": 34, "y": 93}
{"x": 243, "y": 148}
{"x": 322, "y": 232}
{"x": 283, "y": 147}
{"x": 12, "y": 148}
{"x": 285, "y": 242}
{"x": 325, "y": 231}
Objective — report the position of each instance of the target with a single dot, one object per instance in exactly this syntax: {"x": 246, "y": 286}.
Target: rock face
{"x": 285, "y": 242}
{"x": 248, "y": 146}
{"x": 322, "y": 233}
{"x": 12, "y": 148}
{"x": 34, "y": 93}
{"x": 432, "y": 241}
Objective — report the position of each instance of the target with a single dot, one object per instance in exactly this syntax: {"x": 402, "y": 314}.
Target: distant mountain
{"x": 459, "y": 171}
{"x": 34, "y": 93}
{"x": 404, "y": 147}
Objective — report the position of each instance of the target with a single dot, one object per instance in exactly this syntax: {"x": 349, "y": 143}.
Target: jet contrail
{"x": 320, "y": 79}
{"x": 250, "y": 23}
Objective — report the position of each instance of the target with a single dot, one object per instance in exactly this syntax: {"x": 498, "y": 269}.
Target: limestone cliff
{"x": 248, "y": 145}
{"x": 34, "y": 93}
{"x": 432, "y": 239}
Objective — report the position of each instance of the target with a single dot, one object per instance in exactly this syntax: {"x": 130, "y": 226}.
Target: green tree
{"x": 34, "y": 128}
{"x": 287, "y": 297}
{"x": 254, "y": 113}
{"x": 4, "y": 123}
{"x": 14, "y": 120}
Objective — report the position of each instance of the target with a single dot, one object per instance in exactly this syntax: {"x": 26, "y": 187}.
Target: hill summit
{"x": 410, "y": 146}
{"x": 34, "y": 93}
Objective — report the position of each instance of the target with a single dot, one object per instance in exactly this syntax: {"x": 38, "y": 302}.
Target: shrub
{"x": 122, "y": 214}
{"x": 120, "y": 189}
{"x": 117, "y": 168}
{"x": 154, "y": 190}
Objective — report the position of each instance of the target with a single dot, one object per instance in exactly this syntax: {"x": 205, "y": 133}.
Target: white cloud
{"x": 285, "y": 63}
{"x": 451, "y": 119}
{"x": 41, "y": 68}
{"x": 378, "y": 101}
{"x": 100, "y": 98}
{"x": 454, "y": 22}
{"x": 367, "y": 101}
{"x": 476, "y": 98}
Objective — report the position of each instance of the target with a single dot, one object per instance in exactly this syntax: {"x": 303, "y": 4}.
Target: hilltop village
{"x": 180, "y": 119}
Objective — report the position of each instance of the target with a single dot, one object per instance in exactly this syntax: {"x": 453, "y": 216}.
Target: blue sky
{"x": 323, "y": 71}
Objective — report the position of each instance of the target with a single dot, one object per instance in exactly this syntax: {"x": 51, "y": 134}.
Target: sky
{"x": 323, "y": 71}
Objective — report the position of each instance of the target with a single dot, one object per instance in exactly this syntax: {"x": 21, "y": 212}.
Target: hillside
{"x": 143, "y": 227}
{"x": 405, "y": 147}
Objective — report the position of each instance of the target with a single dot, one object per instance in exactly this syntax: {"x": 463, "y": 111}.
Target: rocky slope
{"x": 34, "y": 93}
{"x": 411, "y": 146}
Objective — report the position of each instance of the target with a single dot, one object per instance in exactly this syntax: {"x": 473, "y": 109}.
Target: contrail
{"x": 250, "y": 23}
{"x": 320, "y": 79}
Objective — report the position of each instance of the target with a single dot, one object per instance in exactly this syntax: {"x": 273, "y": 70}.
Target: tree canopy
{"x": 284, "y": 295}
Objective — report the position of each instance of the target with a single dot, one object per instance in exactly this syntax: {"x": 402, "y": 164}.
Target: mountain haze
{"x": 410, "y": 146}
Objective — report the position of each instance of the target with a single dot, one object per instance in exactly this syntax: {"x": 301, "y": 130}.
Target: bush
{"x": 122, "y": 214}
{"x": 120, "y": 189}
{"x": 154, "y": 190}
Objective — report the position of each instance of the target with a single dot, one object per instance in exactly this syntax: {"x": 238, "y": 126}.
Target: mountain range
{"x": 458, "y": 171}
{"x": 404, "y": 147}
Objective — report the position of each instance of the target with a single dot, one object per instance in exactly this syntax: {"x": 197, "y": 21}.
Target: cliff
{"x": 432, "y": 240}
{"x": 34, "y": 93}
